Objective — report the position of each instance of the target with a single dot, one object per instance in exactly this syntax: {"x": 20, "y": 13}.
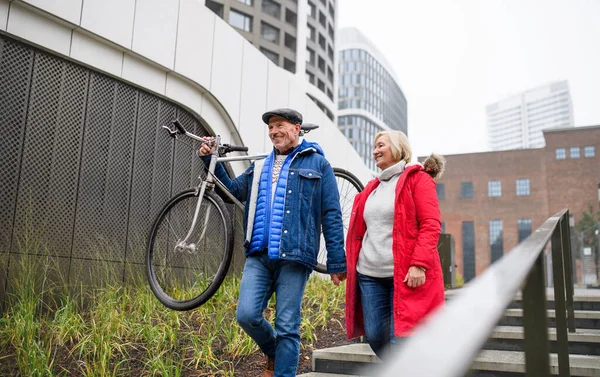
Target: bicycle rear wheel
{"x": 348, "y": 187}
{"x": 184, "y": 276}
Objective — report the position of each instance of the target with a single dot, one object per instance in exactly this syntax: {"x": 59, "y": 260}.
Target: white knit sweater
{"x": 376, "y": 258}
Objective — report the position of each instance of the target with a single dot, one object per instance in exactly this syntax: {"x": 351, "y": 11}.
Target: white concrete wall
{"x": 181, "y": 50}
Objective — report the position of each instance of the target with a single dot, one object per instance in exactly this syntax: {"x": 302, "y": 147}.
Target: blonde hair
{"x": 400, "y": 147}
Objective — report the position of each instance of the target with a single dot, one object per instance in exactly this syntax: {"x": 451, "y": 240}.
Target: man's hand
{"x": 338, "y": 278}
{"x": 207, "y": 148}
{"x": 414, "y": 277}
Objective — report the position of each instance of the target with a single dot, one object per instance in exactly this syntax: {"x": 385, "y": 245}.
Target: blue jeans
{"x": 261, "y": 278}
{"x": 377, "y": 297}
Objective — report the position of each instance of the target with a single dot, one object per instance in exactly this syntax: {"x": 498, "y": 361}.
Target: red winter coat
{"x": 415, "y": 237}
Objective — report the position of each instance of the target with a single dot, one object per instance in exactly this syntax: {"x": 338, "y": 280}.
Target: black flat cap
{"x": 289, "y": 114}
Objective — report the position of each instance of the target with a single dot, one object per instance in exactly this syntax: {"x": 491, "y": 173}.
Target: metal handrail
{"x": 451, "y": 338}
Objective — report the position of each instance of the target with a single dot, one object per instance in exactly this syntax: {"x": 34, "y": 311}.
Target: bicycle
{"x": 190, "y": 246}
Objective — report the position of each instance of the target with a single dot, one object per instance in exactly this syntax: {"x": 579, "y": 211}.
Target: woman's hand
{"x": 207, "y": 148}
{"x": 415, "y": 277}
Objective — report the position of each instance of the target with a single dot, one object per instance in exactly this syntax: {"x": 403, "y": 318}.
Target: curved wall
{"x": 183, "y": 51}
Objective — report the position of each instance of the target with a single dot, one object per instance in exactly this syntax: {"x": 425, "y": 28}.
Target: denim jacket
{"x": 312, "y": 205}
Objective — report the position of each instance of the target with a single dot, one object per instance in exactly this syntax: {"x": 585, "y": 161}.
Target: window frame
{"x": 577, "y": 153}
{"x": 494, "y": 188}
{"x": 589, "y": 151}
{"x": 520, "y": 187}
{"x": 467, "y": 194}
{"x": 245, "y": 17}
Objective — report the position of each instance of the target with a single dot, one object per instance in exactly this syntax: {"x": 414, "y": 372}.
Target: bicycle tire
{"x": 348, "y": 186}
{"x": 185, "y": 279}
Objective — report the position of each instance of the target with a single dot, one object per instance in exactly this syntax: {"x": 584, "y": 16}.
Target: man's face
{"x": 283, "y": 133}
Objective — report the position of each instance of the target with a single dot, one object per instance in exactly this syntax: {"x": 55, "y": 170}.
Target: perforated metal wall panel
{"x": 16, "y": 62}
{"x": 50, "y": 158}
{"x": 84, "y": 164}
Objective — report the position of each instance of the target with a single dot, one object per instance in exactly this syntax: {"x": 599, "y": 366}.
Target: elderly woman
{"x": 394, "y": 273}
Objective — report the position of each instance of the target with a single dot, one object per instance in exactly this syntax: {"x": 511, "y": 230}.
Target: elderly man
{"x": 290, "y": 196}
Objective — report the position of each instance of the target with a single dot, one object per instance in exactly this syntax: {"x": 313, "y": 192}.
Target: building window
{"x": 331, "y": 11}
{"x": 440, "y": 188}
{"x": 269, "y": 33}
{"x": 289, "y": 65}
{"x": 290, "y": 17}
{"x": 494, "y": 188}
{"x": 271, "y": 8}
{"x": 247, "y": 2}
{"x": 561, "y": 153}
{"x": 589, "y": 151}
{"x": 322, "y": 20}
{"x": 496, "y": 246}
{"x": 310, "y": 32}
{"x": 289, "y": 42}
{"x": 321, "y": 64}
{"x": 310, "y": 77}
{"x": 312, "y": 10}
{"x": 215, "y": 7}
{"x": 468, "y": 248}
{"x": 321, "y": 85}
{"x": 466, "y": 189}
{"x": 310, "y": 56}
{"x": 240, "y": 20}
{"x": 574, "y": 152}
{"x": 322, "y": 42}
{"x": 524, "y": 226}
{"x": 523, "y": 187}
{"x": 274, "y": 57}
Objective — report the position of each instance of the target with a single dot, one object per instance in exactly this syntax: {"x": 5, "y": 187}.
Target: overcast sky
{"x": 452, "y": 58}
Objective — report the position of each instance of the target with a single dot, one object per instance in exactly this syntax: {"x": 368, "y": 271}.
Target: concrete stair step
{"x": 584, "y": 319}
{"x": 350, "y": 359}
{"x": 359, "y": 360}
{"x": 512, "y": 363}
{"x": 510, "y": 338}
{"x": 583, "y": 299}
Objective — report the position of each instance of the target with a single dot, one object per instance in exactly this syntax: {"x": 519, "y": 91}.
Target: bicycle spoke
{"x": 187, "y": 271}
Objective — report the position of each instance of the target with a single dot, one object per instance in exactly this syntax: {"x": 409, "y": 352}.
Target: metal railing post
{"x": 535, "y": 321}
{"x": 569, "y": 282}
{"x": 558, "y": 270}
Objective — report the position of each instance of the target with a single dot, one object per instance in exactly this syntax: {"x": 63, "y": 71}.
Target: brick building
{"x": 490, "y": 201}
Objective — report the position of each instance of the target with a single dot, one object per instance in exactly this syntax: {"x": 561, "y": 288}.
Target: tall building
{"x": 369, "y": 95}
{"x": 517, "y": 122}
{"x": 297, "y": 35}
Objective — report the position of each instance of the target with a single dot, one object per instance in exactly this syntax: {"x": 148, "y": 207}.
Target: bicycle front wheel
{"x": 184, "y": 275}
{"x": 348, "y": 186}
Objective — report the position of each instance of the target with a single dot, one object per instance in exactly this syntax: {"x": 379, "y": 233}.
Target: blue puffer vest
{"x": 261, "y": 231}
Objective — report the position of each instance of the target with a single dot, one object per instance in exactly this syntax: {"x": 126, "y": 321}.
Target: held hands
{"x": 207, "y": 148}
{"x": 338, "y": 278}
{"x": 415, "y": 277}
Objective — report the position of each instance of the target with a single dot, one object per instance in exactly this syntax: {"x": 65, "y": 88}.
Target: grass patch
{"x": 122, "y": 330}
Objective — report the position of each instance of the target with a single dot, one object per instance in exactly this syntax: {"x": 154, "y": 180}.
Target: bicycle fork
{"x": 185, "y": 245}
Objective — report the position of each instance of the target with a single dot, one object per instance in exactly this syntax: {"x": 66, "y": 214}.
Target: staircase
{"x": 502, "y": 354}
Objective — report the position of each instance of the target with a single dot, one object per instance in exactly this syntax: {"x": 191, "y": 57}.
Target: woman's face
{"x": 383, "y": 152}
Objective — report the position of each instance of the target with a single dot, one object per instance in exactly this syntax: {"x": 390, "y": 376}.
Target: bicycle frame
{"x": 210, "y": 181}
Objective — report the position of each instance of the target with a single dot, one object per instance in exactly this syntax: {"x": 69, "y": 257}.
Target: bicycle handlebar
{"x": 179, "y": 127}
{"x": 223, "y": 148}
{"x": 233, "y": 148}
